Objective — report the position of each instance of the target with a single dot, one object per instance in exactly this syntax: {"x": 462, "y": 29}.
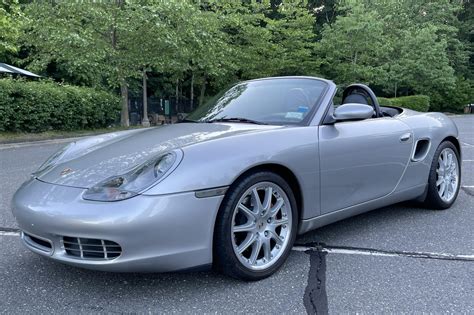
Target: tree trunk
{"x": 395, "y": 89}
{"x": 180, "y": 94}
{"x": 177, "y": 95}
{"x": 191, "y": 96}
{"x": 203, "y": 90}
{"x": 354, "y": 59}
{"x": 145, "y": 121}
{"x": 124, "y": 121}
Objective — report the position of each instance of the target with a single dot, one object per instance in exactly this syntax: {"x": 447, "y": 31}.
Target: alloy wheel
{"x": 261, "y": 225}
{"x": 447, "y": 175}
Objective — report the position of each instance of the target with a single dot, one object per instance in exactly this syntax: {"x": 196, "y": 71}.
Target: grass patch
{"x": 13, "y": 137}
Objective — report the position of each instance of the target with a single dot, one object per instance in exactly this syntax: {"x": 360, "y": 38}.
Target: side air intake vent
{"x": 422, "y": 147}
{"x": 37, "y": 243}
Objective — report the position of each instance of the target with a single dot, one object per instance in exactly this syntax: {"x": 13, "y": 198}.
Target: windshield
{"x": 272, "y": 101}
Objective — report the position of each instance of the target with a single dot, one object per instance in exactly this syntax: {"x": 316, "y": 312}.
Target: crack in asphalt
{"x": 317, "y": 246}
{"x": 315, "y": 298}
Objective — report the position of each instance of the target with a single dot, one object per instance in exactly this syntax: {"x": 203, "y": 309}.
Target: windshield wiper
{"x": 237, "y": 119}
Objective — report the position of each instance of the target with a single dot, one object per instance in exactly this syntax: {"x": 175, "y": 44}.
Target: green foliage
{"x": 352, "y": 49}
{"x": 249, "y": 43}
{"x": 75, "y": 40}
{"x": 383, "y": 101}
{"x": 35, "y": 106}
{"x": 10, "y": 22}
{"x": 419, "y": 103}
{"x": 455, "y": 99}
{"x": 293, "y": 38}
{"x": 399, "y": 47}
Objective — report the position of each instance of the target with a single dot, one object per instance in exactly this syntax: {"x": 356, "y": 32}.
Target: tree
{"x": 109, "y": 42}
{"x": 428, "y": 52}
{"x": 266, "y": 38}
{"x": 422, "y": 64}
{"x": 81, "y": 40}
{"x": 394, "y": 46}
{"x": 292, "y": 35}
{"x": 203, "y": 49}
{"x": 466, "y": 36}
{"x": 399, "y": 47}
{"x": 248, "y": 40}
{"x": 10, "y": 23}
{"x": 152, "y": 34}
{"x": 352, "y": 49}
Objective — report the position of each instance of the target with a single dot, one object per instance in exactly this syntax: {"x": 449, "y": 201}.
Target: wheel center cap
{"x": 261, "y": 226}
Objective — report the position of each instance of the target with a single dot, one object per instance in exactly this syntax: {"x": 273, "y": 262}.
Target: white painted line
{"x": 9, "y": 233}
{"x": 468, "y": 161}
{"x": 465, "y": 144}
{"x": 370, "y": 252}
{"x": 299, "y": 248}
{"x": 467, "y": 186}
{"x": 375, "y": 253}
{"x": 344, "y": 251}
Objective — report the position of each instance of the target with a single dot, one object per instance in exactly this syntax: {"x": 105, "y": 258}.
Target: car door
{"x": 361, "y": 160}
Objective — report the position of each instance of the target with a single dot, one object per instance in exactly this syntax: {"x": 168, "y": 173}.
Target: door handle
{"x": 405, "y": 137}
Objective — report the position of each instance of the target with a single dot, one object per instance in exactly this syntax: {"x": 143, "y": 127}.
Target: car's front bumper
{"x": 156, "y": 233}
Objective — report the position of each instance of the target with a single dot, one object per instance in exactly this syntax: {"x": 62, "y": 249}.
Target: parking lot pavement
{"x": 398, "y": 285}
{"x": 36, "y": 285}
{"x": 16, "y": 165}
{"x": 405, "y": 228}
{"x": 397, "y": 259}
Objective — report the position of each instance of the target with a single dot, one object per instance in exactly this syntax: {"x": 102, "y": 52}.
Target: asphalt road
{"x": 396, "y": 259}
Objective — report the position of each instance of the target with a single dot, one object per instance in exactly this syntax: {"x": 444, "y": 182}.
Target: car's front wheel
{"x": 256, "y": 226}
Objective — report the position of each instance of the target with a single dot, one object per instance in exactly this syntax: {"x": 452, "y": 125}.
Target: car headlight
{"x": 138, "y": 179}
{"x": 52, "y": 160}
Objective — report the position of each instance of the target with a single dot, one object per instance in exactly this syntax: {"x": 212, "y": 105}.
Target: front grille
{"x": 38, "y": 243}
{"x": 88, "y": 248}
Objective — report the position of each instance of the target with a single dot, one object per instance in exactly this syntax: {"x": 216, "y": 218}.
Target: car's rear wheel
{"x": 256, "y": 227}
{"x": 445, "y": 177}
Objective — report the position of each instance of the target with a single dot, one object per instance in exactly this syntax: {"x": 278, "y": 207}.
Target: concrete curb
{"x": 15, "y": 145}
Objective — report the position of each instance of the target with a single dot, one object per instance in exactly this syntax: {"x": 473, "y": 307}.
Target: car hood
{"x": 89, "y": 161}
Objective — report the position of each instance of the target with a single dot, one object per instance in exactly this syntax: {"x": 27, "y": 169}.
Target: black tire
{"x": 225, "y": 259}
{"x": 433, "y": 200}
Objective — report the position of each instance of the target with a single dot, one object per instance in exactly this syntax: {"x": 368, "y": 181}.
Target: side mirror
{"x": 353, "y": 111}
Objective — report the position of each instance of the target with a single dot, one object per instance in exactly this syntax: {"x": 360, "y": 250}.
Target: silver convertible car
{"x": 236, "y": 182}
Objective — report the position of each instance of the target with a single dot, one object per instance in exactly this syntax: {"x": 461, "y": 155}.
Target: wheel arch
{"x": 456, "y": 143}
{"x": 288, "y": 176}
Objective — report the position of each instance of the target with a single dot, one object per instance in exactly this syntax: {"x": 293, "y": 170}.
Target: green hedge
{"x": 419, "y": 103}
{"x": 384, "y": 101}
{"x": 35, "y": 106}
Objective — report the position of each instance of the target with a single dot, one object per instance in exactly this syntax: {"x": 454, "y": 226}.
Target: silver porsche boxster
{"x": 233, "y": 184}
